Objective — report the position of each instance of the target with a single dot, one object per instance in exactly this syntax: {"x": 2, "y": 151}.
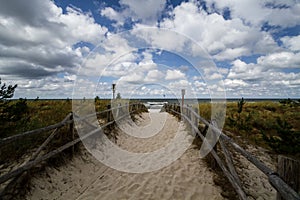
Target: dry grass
{"x": 256, "y": 117}
{"x": 41, "y": 113}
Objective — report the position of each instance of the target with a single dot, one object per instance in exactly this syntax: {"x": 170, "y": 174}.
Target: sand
{"x": 188, "y": 177}
{"x": 256, "y": 184}
{"x": 86, "y": 178}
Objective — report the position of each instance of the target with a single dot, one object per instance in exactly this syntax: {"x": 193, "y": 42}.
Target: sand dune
{"x": 86, "y": 178}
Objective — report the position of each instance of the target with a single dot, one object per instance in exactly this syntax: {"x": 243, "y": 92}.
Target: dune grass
{"x": 266, "y": 123}
{"x": 40, "y": 113}
{"x": 261, "y": 123}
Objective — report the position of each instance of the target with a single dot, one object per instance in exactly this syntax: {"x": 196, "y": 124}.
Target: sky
{"x": 151, "y": 48}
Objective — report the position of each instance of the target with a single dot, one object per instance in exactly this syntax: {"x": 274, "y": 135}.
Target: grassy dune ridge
{"x": 38, "y": 114}
{"x": 261, "y": 123}
{"x": 269, "y": 124}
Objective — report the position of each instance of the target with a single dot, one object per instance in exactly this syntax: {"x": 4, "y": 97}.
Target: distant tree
{"x": 97, "y": 98}
{"x": 17, "y": 110}
{"x": 241, "y": 121}
{"x": 10, "y": 111}
{"x": 240, "y": 105}
{"x": 119, "y": 96}
{"x": 6, "y": 92}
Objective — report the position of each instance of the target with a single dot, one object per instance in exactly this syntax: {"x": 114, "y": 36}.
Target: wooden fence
{"x": 285, "y": 191}
{"x": 15, "y": 176}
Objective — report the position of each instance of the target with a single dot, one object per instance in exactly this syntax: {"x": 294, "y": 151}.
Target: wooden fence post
{"x": 71, "y": 129}
{"x": 195, "y": 120}
{"x": 289, "y": 170}
{"x": 108, "y": 116}
{"x": 126, "y": 107}
{"x": 179, "y": 110}
{"x": 189, "y": 112}
{"x": 118, "y": 111}
{"x": 212, "y": 161}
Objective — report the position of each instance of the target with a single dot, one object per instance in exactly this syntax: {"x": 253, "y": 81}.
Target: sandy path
{"x": 86, "y": 178}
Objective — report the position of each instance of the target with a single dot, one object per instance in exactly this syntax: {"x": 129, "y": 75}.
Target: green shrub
{"x": 286, "y": 140}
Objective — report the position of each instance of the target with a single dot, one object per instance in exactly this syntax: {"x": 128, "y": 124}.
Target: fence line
{"x": 283, "y": 188}
{"x": 229, "y": 176}
{"x": 36, "y": 159}
{"x": 54, "y": 126}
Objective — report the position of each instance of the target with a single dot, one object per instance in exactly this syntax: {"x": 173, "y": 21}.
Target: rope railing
{"x": 282, "y": 187}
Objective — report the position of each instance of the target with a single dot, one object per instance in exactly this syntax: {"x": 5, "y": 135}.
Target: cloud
{"x": 292, "y": 43}
{"x": 42, "y": 46}
{"x": 263, "y": 79}
{"x": 214, "y": 76}
{"x": 26, "y": 13}
{"x": 38, "y": 41}
{"x": 284, "y": 60}
{"x": 70, "y": 78}
{"x": 174, "y": 74}
{"x": 154, "y": 76}
{"x": 113, "y": 57}
{"x": 258, "y": 12}
{"x": 244, "y": 71}
{"x": 177, "y": 85}
{"x": 229, "y": 53}
{"x": 111, "y": 14}
{"x": 132, "y": 78}
{"x": 160, "y": 39}
{"x": 147, "y": 11}
{"x": 224, "y": 39}
{"x": 48, "y": 87}
{"x": 285, "y": 17}
{"x": 232, "y": 83}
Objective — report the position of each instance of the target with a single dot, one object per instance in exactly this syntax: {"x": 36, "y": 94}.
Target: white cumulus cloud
{"x": 174, "y": 74}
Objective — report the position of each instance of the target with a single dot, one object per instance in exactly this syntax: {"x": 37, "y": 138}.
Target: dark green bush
{"x": 286, "y": 140}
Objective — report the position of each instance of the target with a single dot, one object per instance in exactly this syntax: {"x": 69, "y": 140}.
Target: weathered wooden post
{"x": 289, "y": 170}
{"x": 71, "y": 129}
{"x": 213, "y": 163}
{"x": 118, "y": 111}
{"x": 114, "y": 90}
{"x": 195, "y": 120}
{"x": 189, "y": 112}
{"x": 182, "y": 101}
{"x": 108, "y": 114}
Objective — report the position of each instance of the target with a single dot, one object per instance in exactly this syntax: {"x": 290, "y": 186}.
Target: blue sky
{"x": 57, "y": 49}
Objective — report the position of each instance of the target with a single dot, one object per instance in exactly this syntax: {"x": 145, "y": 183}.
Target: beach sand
{"x": 84, "y": 177}
{"x": 188, "y": 177}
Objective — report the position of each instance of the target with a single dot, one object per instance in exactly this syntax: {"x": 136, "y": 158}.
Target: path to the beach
{"x": 86, "y": 178}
